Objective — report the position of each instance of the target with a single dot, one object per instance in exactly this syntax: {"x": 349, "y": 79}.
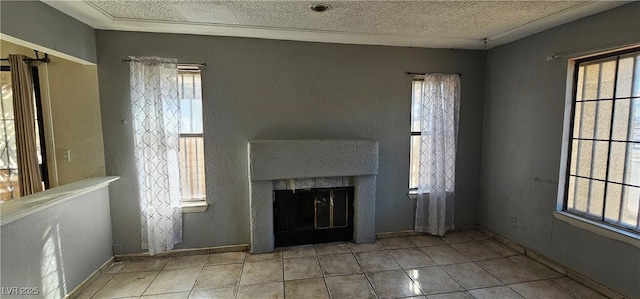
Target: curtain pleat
{"x": 439, "y": 102}
{"x": 25, "y": 125}
{"x": 155, "y": 111}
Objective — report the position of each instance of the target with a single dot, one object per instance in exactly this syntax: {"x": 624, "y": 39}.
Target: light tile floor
{"x": 459, "y": 265}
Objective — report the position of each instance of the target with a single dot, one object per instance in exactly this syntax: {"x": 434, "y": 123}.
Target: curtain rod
{"x": 204, "y": 64}
{"x": 422, "y": 74}
{"x": 590, "y": 52}
{"x": 45, "y": 59}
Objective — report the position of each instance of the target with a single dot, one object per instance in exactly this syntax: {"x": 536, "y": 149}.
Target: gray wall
{"x": 38, "y": 23}
{"x": 56, "y": 249}
{"x": 267, "y": 89}
{"x": 522, "y": 139}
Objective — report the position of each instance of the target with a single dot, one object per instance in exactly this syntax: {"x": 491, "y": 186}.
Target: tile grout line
{"x": 237, "y": 289}
{"x": 445, "y": 271}
{"x": 405, "y": 270}
{"x": 196, "y": 281}
{"x": 284, "y": 294}
{"x": 154, "y": 278}
{"x": 364, "y": 272}
{"x": 99, "y": 289}
{"x": 324, "y": 279}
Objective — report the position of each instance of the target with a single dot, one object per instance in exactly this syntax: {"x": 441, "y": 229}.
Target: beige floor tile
{"x": 575, "y": 288}
{"x": 189, "y": 261}
{"x": 395, "y": 243}
{"x": 444, "y": 254}
{"x": 349, "y": 287}
{"x": 145, "y": 265}
{"x": 536, "y": 268}
{"x": 507, "y": 271}
{"x": 275, "y": 255}
{"x": 339, "y": 264}
{"x": 538, "y": 289}
{"x": 223, "y": 293}
{"x": 476, "y": 235}
{"x": 181, "y": 295}
{"x": 415, "y": 297}
{"x": 500, "y": 248}
{"x": 95, "y": 286}
{"x": 471, "y": 276}
{"x": 226, "y": 258}
{"x": 376, "y": 261}
{"x": 426, "y": 240}
{"x": 502, "y": 292}
{"x": 173, "y": 281}
{"x": 476, "y": 251}
{"x": 434, "y": 280}
{"x": 261, "y": 272}
{"x": 115, "y": 268}
{"x": 411, "y": 258}
{"x": 126, "y": 285}
{"x": 301, "y": 268}
{"x": 393, "y": 284}
{"x": 313, "y": 288}
{"x": 454, "y": 295}
{"x": 273, "y": 290}
{"x": 218, "y": 276}
{"x": 332, "y": 248}
{"x": 298, "y": 251}
{"x": 457, "y": 237}
{"x": 355, "y": 248}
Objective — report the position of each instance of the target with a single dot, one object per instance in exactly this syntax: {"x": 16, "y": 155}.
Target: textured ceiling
{"x": 462, "y": 24}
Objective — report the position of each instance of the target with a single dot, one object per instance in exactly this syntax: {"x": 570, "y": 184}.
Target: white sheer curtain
{"x": 440, "y": 102}
{"x": 155, "y": 109}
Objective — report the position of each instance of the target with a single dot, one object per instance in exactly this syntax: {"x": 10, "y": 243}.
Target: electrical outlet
{"x": 513, "y": 222}
{"x": 65, "y": 153}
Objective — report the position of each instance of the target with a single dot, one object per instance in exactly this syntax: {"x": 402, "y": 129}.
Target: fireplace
{"x": 310, "y": 216}
{"x": 273, "y": 161}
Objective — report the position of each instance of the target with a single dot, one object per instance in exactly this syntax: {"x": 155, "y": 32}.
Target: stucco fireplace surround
{"x": 271, "y": 160}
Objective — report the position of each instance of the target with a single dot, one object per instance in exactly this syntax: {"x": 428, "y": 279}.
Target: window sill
{"x": 413, "y": 194}
{"x": 194, "y": 207}
{"x": 599, "y": 228}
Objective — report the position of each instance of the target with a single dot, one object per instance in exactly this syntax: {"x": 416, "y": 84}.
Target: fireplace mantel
{"x": 271, "y": 160}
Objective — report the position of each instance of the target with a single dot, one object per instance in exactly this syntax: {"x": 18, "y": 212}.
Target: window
{"x": 435, "y": 103}
{"x": 9, "y": 174}
{"x": 191, "y": 139}
{"x": 603, "y": 167}
{"x": 414, "y": 168}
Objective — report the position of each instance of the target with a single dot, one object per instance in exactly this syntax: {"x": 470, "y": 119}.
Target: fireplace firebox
{"x": 311, "y": 216}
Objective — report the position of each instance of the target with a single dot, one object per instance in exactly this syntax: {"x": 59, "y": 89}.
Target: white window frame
{"x": 413, "y": 190}
{"x": 199, "y": 204}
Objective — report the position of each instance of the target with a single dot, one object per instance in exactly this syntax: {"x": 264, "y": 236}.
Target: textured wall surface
{"x": 522, "y": 141}
{"x": 280, "y": 159}
{"x": 364, "y": 211}
{"x": 261, "y": 205}
{"x": 286, "y": 159}
{"x": 40, "y": 24}
{"x": 280, "y": 90}
{"x": 56, "y": 249}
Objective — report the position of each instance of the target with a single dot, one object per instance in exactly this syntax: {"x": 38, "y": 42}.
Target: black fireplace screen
{"x": 309, "y": 216}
